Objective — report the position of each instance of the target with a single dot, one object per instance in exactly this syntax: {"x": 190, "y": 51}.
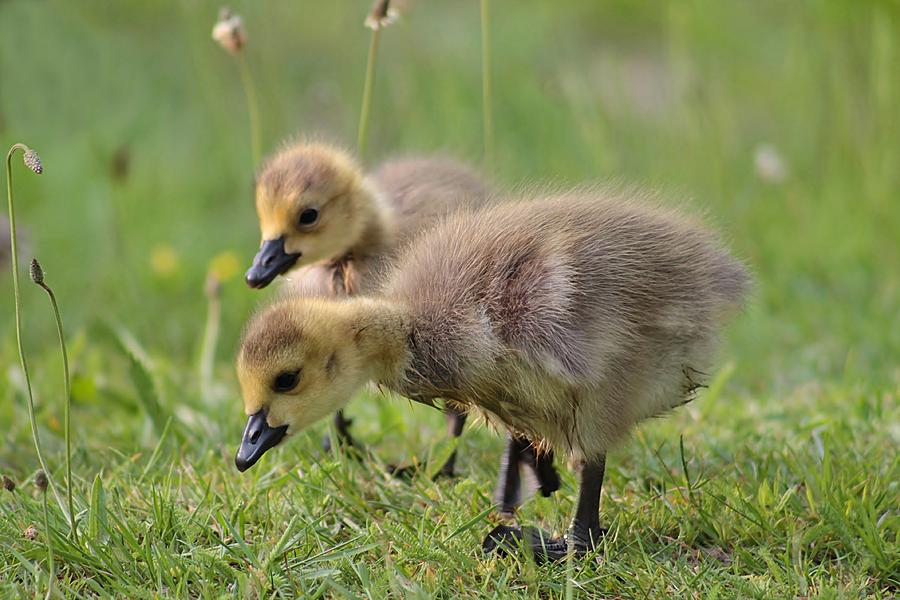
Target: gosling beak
{"x": 258, "y": 438}
{"x": 270, "y": 262}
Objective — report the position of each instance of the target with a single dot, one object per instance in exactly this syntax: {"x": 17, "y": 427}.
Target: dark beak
{"x": 258, "y": 437}
{"x": 270, "y": 262}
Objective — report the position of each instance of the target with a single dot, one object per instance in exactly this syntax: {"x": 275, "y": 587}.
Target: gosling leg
{"x": 544, "y": 471}
{"x": 520, "y": 450}
{"x": 585, "y": 531}
{"x": 583, "y": 535}
{"x": 509, "y": 483}
{"x": 342, "y": 427}
{"x": 456, "y": 420}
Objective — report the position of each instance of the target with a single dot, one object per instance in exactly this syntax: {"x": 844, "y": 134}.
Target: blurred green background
{"x": 677, "y": 96}
{"x": 776, "y": 119}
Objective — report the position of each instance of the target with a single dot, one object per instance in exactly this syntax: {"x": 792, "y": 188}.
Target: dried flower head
{"x": 37, "y": 272}
{"x": 229, "y": 31}
{"x": 381, "y": 15}
{"x": 33, "y": 161}
{"x": 8, "y": 484}
{"x": 41, "y": 481}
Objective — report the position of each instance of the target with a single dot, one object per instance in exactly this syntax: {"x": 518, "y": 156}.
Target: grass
{"x": 779, "y": 481}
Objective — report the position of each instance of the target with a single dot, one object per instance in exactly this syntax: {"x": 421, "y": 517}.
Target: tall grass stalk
{"x": 369, "y": 84}
{"x": 33, "y": 162}
{"x": 487, "y": 114}
{"x": 41, "y": 482}
{"x": 252, "y": 107}
{"x": 210, "y": 335}
{"x": 379, "y": 17}
{"x": 229, "y": 32}
{"x": 37, "y": 275}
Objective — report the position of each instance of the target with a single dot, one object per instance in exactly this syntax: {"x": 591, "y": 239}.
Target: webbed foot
{"x": 407, "y": 472}
{"x": 506, "y": 539}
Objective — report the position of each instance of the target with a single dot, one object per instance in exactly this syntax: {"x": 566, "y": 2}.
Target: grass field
{"x": 779, "y": 481}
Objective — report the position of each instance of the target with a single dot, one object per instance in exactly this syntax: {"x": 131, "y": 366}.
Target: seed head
{"x": 229, "y": 31}
{"x": 41, "y": 481}
{"x": 37, "y": 273}
{"x": 381, "y": 15}
{"x": 33, "y": 161}
{"x": 8, "y": 484}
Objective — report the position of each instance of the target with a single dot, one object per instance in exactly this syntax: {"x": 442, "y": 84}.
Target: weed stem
{"x": 67, "y": 407}
{"x": 486, "y": 92}
{"x": 252, "y": 107}
{"x": 14, "y": 258}
{"x": 210, "y": 335}
{"x": 50, "y": 575}
{"x": 367, "y": 93}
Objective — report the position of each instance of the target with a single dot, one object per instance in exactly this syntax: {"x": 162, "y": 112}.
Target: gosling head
{"x": 313, "y": 204}
{"x": 299, "y": 361}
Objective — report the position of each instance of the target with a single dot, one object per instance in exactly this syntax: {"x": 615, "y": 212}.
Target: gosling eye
{"x": 308, "y": 217}
{"x": 286, "y": 381}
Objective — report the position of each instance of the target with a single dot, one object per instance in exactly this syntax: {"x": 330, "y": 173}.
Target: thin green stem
{"x": 486, "y": 92}
{"x": 50, "y": 575}
{"x": 14, "y": 258}
{"x": 210, "y": 341}
{"x": 252, "y": 107}
{"x": 67, "y": 425}
{"x": 367, "y": 93}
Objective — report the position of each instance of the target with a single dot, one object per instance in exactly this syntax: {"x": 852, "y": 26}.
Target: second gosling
{"x": 568, "y": 320}
{"x": 332, "y": 230}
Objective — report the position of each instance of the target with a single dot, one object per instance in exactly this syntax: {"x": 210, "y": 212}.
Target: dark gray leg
{"x": 456, "y": 420}
{"x": 509, "y": 483}
{"x": 585, "y": 531}
{"x": 342, "y": 427}
{"x": 518, "y": 451}
{"x": 544, "y": 471}
{"x": 583, "y": 535}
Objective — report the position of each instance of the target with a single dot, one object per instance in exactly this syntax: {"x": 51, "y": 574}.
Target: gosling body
{"x": 567, "y": 319}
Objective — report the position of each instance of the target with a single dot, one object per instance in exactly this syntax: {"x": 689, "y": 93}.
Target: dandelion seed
{"x": 381, "y": 15}
{"x": 8, "y": 484}
{"x": 41, "y": 481}
{"x": 33, "y": 161}
{"x": 769, "y": 165}
{"x": 229, "y": 31}
{"x": 37, "y": 273}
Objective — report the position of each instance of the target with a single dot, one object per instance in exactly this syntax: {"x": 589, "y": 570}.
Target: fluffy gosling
{"x": 568, "y": 319}
{"x": 332, "y": 230}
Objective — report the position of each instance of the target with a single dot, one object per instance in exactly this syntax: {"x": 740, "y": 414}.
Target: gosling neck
{"x": 381, "y": 329}
{"x": 377, "y": 234}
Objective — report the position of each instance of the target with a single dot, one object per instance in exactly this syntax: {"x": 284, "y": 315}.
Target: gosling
{"x": 333, "y": 231}
{"x": 567, "y": 320}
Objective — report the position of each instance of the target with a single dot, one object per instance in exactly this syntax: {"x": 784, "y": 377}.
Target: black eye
{"x": 285, "y": 382}
{"x": 309, "y": 216}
